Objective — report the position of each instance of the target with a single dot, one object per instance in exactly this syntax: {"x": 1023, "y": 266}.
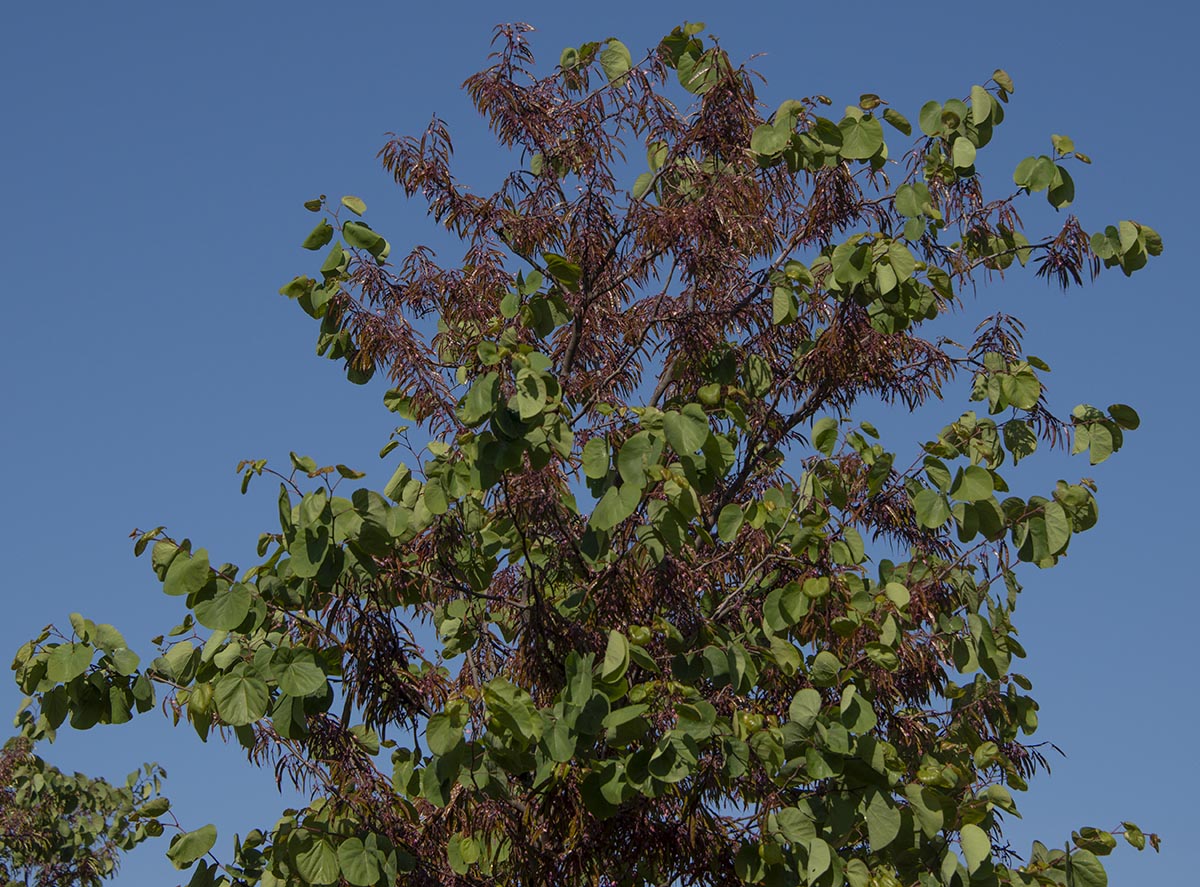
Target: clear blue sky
{"x": 154, "y": 159}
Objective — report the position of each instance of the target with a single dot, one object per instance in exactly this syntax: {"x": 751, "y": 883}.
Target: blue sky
{"x": 154, "y": 159}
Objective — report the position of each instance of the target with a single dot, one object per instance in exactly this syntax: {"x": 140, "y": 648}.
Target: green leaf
{"x": 1087, "y": 870}
{"x": 1062, "y": 144}
{"x": 963, "y": 153}
{"x": 1058, "y": 527}
{"x": 816, "y": 587}
{"x": 1124, "y": 415}
{"x": 1024, "y": 172}
{"x": 825, "y": 669}
{"x": 241, "y": 698}
{"x": 442, "y": 735}
{"x": 857, "y": 873}
{"x": 186, "y": 849}
{"x": 796, "y": 825}
{"x": 511, "y": 712}
{"x": 1134, "y": 835}
{"x": 1001, "y": 77}
{"x": 729, "y": 522}
{"x": 297, "y": 672}
{"x": 616, "y": 658}
{"x": 861, "y": 138}
{"x": 154, "y": 807}
{"x": 930, "y": 118}
{"x": 687, "y": 430}
{"x": 615, "y": 60}
{"x": 358, "y": 863}
{"x": 177, "y": 660}
{"x": 317, "y": 863}
{"x": 976, "y": 846}
{"x": 927, "y": 807}
{"x": 897, "y": 594}
{"x": 335, "y": 261}
{"x": 596, "y": 458}
{"x": 614, "y": 506}
{"x": 974, "y": 484}
{"x": 394, "y": 488}
{"x": 434, "y": 497}
{"x": 820, "y": 857}
{"x": 768, "y": 141}
{"x": 563, "y": 270}
{"x": 636, "y": 456}
{"x": 932, "y": 509}
{"x": 783, "y": 305}
{"x": 319, "y": 236}
{"x": 981, "y": 105}
{"x": 698, "y": 72}
{"x": 784, "y": 606}
{"x": 399, "y": 402}
{"x": 297, "y": 287}
{"x": 696, "y": 720}
{"x": 227, "y": 610}
{"x": 901, "y": 261}
{"x": 805, "y": 707}
{"x": 187, "y": 573}
{"x": 883, "y": 822}
{"x": 938, "y": 473}
{"x": 531, "y": 394}
{"x": 1062, "y": 189}
{"x": 852, "y": 261}
{"x": 857, "y": 714}
{"x": 898, "y": 120}
{"x": 1021, "y": 388}
{"x": 530, "y": 283}
{"x": 69, "y": 661}
{"x": 758, "y": 376}
{"x": 1043, "y": 174}
{"x": 825, "y": 435}
{"x": 911, "y": 200}
{"x": 954, "y": 113}
{"x": 560, "y": 742}
{"x": 354, "y": 204}
{"x": 1101, "y": 443}
{"x": 1019, "y": 439}
{"x": 125, "y": 661}
{"x": 308, "y": 551}
{"x": 359, "y": 234}
{"x": 626, "y": 725}
{"x": 1098, "y": 841}
{"x": 882, "y": 655}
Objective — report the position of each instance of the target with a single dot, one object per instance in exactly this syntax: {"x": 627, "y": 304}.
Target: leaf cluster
{"x": 59, "y": 829}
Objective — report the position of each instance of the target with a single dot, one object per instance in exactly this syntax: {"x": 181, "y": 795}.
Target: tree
{"x": 60, "y": 830}
{"x": 695, "y": 624}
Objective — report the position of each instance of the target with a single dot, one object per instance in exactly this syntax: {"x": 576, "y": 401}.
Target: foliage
{"x": 59, "y": 830}
{"x": 694, "y": 623}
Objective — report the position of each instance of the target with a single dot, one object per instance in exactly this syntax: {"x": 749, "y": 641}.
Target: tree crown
{"x": 772, "y": 651}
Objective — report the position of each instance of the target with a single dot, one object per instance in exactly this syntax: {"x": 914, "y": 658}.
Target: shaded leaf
{"x": 241, "y": 698}
{"x": 187, "y": 848}
{"x": 976, "y": 846}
